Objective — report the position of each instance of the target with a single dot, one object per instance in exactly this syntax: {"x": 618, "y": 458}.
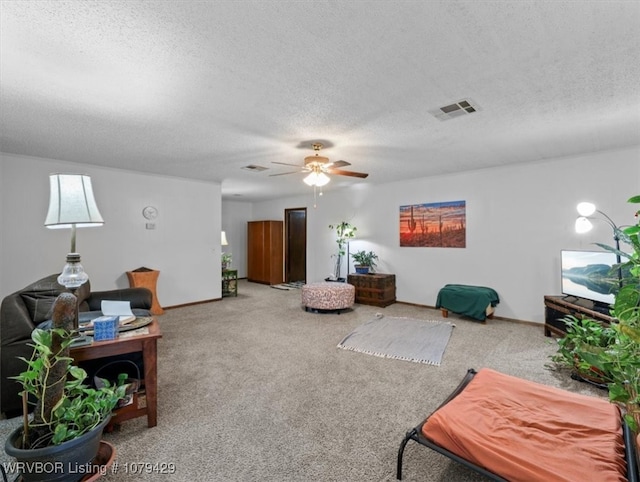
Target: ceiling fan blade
{"x": 347, "y": 173}
{"x": 285, "y": 173}
{"x": 340, "y": 164}
{"x": 287, "y": 164}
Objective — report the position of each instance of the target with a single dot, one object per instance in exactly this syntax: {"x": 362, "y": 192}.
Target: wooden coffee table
{"x": 145, "y": 341}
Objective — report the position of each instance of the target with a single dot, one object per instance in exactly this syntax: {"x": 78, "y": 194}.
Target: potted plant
{"x": 584, "y": 336}
{"x": 344, "y": 232}
{"x": 365, "y": 261}
{"x": 620, "y": 359}
{"x": 63, "y": 433}
{"x": 225, "y": 258}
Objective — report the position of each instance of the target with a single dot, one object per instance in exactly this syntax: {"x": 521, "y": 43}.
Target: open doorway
{"x": 295, "y": 249}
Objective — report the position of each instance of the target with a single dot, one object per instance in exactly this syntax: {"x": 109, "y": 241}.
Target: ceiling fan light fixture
{"x": 310, "y": 180}
{"x": 318, "y": 179}
{"x": 316, "y": 160}
{"x": 322, "y": 179}
{"x": 318, "y": 167}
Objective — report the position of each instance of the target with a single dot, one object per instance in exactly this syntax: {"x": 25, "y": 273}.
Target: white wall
{"x": 518, "y": 220}
{"x": 184, "y": 246}
{"x": 235, "y": 216}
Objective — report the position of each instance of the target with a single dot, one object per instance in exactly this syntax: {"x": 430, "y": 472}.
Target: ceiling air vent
{"x": 253, "y": 167}
{"x": 460, "y": 108}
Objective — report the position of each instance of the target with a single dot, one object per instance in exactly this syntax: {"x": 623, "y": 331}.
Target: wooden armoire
{"x": 265, "y": 261}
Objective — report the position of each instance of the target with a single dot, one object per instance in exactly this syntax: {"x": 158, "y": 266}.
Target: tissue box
{"x": 105, "y": 328}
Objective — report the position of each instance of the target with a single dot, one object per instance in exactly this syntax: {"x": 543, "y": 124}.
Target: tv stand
{"x": 557, "y": 307}
{"x": 574, "y": 300}
{"x": 571, "y": 299}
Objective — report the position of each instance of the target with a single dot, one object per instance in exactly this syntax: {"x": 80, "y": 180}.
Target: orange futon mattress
{"x": 525, "y": 431}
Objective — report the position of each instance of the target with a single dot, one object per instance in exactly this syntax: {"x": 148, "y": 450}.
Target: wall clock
{"x": 150, "y": 212}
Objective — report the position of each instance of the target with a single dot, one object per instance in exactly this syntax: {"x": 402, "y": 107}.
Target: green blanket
{"x": 467, "y": 300}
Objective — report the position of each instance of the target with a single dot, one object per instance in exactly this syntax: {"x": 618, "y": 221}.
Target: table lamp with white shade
{"x": 72, "y": 205}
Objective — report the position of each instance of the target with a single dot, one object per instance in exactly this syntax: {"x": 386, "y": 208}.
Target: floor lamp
{"x": 583, "y": 225}
{"x": 72, "y": 205}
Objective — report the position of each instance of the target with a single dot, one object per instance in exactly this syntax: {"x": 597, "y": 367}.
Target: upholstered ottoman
{"x": 328, "y": 296}
{"x": 478, "y": 302}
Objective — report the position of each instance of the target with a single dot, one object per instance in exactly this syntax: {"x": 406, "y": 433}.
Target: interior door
{"x": 295, "y": 245}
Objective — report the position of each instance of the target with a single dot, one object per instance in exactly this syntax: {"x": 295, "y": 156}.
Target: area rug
{"x": 420, "y": 341}
{"x": 296, "y": 284}
{"x": 289, "y": 286}
{"x": 281, "y": 287}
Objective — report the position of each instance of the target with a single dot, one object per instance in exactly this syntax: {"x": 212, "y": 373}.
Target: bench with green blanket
{"x": 471, "y": 301}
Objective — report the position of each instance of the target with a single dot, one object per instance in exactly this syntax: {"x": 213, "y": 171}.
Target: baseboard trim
{"x": 193, "y": 303}
{"x": 502, "y": 318}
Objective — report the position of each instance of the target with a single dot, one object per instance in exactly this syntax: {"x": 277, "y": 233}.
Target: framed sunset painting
{"x": 434, "y": 225}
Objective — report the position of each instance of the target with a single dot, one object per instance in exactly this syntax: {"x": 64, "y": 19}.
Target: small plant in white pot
{"x": 365, "y": 262}
{"x": 225, "y": 260}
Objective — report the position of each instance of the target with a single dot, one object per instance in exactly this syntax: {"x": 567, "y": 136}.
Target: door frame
{"x": 286, "y": 242}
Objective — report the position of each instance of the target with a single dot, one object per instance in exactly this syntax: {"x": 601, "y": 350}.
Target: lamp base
{"x": 72, "y": 277}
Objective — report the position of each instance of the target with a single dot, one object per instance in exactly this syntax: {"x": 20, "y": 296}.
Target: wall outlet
{"x": 150, "y": 225}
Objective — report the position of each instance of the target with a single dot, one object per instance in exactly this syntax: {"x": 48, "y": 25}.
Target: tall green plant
{"x": 627, "y": 302}
{"x": 621, "y": 359}
{"x": 344, "y": 232}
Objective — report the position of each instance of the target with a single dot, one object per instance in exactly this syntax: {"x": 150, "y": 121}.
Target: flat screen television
{"x": 590, "y": 275}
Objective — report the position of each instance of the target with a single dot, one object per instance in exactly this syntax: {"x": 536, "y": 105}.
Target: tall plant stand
{"x": 229, "y": 282}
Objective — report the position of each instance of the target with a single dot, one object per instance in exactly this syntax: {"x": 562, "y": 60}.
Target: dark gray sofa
{"x": 22, "y": 311}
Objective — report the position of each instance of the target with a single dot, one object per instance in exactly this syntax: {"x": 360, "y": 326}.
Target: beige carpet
{"x": 254, "y": 388}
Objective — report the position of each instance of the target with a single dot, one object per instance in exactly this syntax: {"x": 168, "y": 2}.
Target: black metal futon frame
{"x": 416, "y": 435}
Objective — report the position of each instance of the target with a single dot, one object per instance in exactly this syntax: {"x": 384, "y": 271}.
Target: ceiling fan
{"x": 318, "y": 167}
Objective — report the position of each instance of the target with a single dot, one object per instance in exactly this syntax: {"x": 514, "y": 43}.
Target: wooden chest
{"x": 375, "y": 289}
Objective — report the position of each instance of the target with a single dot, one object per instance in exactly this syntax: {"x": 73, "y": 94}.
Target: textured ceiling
{"x": 199, "y": 89}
